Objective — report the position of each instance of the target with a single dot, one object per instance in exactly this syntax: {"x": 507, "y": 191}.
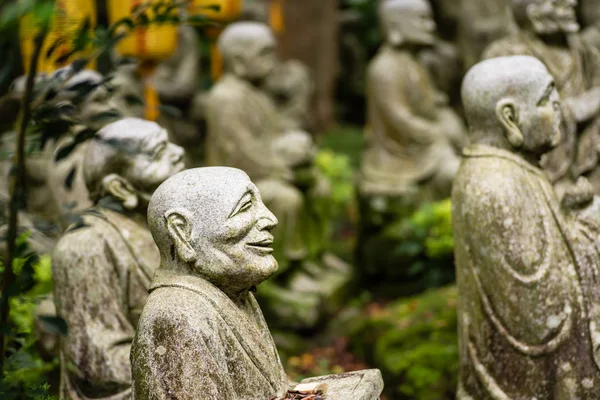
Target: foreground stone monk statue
{"x": 245, "y": 131}
{"x": 549, "y": 31}
{"x": 202, "y": 334}
{"x": 529, "y": 304}
{"x": 412, "y": 134}
{"x": 102, "y": 268}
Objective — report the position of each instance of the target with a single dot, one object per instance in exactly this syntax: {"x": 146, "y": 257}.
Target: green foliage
{"x": 27, "y": 373}
{"x": 414, "y": 342}
{"x": 336, "y": 167}
{"x": 428, "y": 232}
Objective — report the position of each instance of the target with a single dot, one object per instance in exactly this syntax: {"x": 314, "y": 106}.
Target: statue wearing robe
{"x": 529, "y": 321}
{"x": 199, "y": 344}
{"x": 102, "y": 272}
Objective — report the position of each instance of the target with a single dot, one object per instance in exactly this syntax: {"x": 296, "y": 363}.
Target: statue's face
{"x": 412, "y": 23}
{"x": 565, "y": 15}
{"x": 260, "y": 59}
{"x": 540, "y": 116}
{"x": 98, "y": 102}
{"x": 155, "y": 160}
{"x": 553, "y": 16}
{"x": 234, "y": 240}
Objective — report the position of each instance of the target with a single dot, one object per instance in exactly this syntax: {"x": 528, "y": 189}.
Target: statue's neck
{"x": 558, "y": 39}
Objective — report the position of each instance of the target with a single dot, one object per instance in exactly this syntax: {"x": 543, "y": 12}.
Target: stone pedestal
{"x": 359, "y": 385}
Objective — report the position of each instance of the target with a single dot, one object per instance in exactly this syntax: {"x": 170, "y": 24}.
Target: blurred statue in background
{"x": 177, "y": 82}
{"x": 246, "y": 131}
{"x": 529, "y": 304}
{"x": 103, "y": 266}
{"x": 413, "y": 137}
{"x": 549, "y": 31}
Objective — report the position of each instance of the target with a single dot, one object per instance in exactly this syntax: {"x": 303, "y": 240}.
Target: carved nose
{"x": 267, "y": 220}
{"x": 176, "y": 153}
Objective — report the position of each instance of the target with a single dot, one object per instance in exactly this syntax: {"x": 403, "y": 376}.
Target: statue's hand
{"x": 579, "y": 195}
{"x": 296, "y": 148}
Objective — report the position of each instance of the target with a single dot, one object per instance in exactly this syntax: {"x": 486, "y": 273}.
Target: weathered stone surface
{"x": 528, "y": 300}
{"x": 202, "y": 334}
{"x": 102, "y": 268}
{"x": 360, "y": 385}
{"x": 549, "y": 31}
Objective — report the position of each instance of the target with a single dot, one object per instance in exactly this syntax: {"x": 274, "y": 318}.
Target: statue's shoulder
{"x": 507, "y": 46}
{"x": 227, "y": 90}
{"x": 388, "y": 64}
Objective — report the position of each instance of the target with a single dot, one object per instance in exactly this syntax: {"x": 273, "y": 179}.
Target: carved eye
{"x": 244, "y": 204}
{"x": 159, "y": 150}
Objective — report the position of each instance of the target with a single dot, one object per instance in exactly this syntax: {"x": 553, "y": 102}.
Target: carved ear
{"x": 534, "y": 15}
{"x": 120, "y": 188}
{"x": 238, "y": 65}
{"x": 395, "y": 37}
{"x": 508, "y": 115}
{"x": 180, "y": 231}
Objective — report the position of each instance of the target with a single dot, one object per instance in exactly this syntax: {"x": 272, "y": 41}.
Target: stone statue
{"x": 413, "y": 137}
{"x": 202, "y": 334}
{"x": 177, "y": 82}
{"x": 245, "y": 131}
{"x": 290, "y": 86}
{"x": 549, "y": 32}
{"x": 529, "y": 314}
{"x": 103, "y": 266}
{"x": 93, "y": 110}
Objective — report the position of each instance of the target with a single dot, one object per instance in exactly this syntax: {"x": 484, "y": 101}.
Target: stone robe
{"x": 193, "y": 342}
{"x": 403, "y": 151}
{"x": 102, "y": 273}
{"x": 575, "y": 72}
{"x": 527, "y": 277}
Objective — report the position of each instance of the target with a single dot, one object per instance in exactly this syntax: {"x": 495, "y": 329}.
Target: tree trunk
{"x": 311, "y": 36}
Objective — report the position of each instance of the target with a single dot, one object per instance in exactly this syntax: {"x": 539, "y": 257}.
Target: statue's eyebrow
{"x": 248, "y": 192}
{"x": 547, "y": 93}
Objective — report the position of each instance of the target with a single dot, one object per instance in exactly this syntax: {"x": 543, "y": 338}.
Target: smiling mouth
{"x": 264, "y": 246}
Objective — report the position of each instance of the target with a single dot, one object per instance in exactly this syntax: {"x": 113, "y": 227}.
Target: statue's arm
{"x": 585, "y": 106}
{"x": 89, "y": 293}
{"x": 386, "y": 90}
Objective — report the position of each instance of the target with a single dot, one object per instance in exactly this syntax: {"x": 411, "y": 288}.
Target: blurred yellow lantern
{"x": 276, "y": 20}
{"x": 66, "y": 22}
{"x": 151, "y": 45}
{"x": 227, "y": 11}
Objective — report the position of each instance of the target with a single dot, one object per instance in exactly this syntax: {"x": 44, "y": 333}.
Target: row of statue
{"x": 157, "y": 279}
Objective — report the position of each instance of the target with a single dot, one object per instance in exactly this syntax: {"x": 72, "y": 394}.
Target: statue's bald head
{"x": 407, "y": 22}
{"x": 211, "y": 222}
{"x": 248, "y": 49}
{"x": 129, "y": 154}
{"x": 512, "y": 99}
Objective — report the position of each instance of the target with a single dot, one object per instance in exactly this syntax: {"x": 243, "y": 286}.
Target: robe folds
{"x": 102, "y": 272}
{"x": 194, "y": 342}
{"x": 527, "y": 276}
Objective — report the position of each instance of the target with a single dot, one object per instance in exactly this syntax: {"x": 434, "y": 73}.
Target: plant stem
{"x": 17, "y": 194}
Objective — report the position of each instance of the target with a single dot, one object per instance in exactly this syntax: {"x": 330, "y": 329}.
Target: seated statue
{"x": 528, "y": 310}
{"x": 202, "y": 334}
{"x": 177, "y": 82}
{"x": 549, "y": 31}
{"x": 413, "y": 137}
{"x": 102, "y": 267}
{"x": 245, "y": 131}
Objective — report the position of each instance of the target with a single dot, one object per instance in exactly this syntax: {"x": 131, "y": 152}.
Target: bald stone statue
{"x": 529, "y": 304}
{"x": 245, "y": 131}
{"x": 412, "y": 134}
{"x": 102, "y": 267}
{"x": 202, "y": 334}
{"x": 549, "y": 31}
